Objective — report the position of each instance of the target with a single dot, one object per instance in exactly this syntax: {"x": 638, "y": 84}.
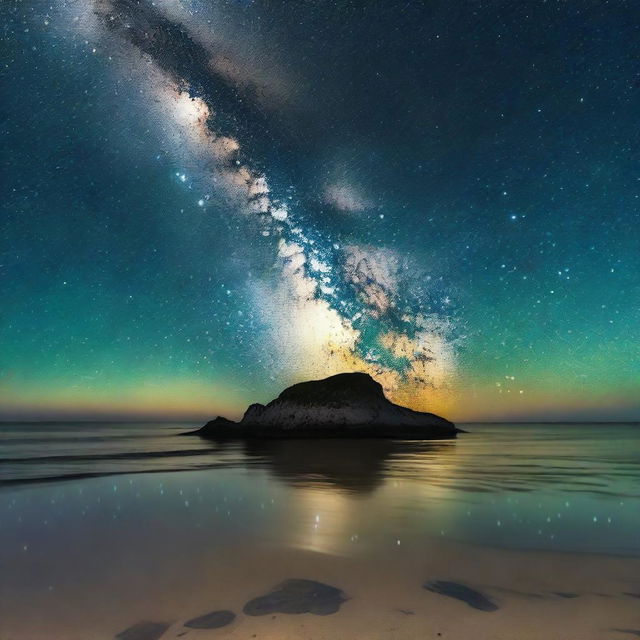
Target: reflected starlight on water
{"x": 336, "y": 492}
{"x": 244, "y": 512}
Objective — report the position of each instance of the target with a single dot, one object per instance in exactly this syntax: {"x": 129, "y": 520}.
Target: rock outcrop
{"x": 347, "y": 405}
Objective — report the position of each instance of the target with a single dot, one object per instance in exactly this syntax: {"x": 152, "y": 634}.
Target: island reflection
{"x": 356, "y": 466}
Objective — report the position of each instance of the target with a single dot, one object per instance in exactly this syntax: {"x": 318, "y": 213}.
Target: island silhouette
{"x": 346, "y": 405}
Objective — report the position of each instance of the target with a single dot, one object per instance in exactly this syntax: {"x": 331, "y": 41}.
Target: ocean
{"x": 103, "y": 525}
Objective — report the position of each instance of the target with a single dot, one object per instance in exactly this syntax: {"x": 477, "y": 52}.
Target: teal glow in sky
{"x": 204, "y": 202}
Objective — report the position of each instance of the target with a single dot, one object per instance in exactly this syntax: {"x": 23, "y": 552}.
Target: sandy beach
{"x": 471, "y": 539}
{"x": 538, "y": 594}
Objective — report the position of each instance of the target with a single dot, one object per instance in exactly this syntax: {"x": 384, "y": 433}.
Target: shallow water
{"x": 502, "y": 510}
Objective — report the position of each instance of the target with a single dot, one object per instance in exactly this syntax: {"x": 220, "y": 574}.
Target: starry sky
{"x": 206, "y": 201}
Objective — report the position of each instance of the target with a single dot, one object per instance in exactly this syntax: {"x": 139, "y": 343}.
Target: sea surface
{"x": 103, "y": 525}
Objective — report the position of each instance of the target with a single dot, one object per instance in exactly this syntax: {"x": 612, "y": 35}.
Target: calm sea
{"x": 562, "y": 486}
{"x": 106, "y": 526}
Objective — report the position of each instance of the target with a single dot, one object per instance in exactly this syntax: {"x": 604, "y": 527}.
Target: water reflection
{"x": 356, "y": 466}
{"x": 572, "y": 487}
{"x": 376, "y": 518}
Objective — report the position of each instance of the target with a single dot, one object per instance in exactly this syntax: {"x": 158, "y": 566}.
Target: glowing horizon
{"x": 223, "y": 213}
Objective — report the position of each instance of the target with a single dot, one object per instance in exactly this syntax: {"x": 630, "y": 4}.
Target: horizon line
{"x": 168, "y": 421}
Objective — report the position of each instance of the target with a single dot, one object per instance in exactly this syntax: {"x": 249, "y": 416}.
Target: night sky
{"x": 204, "y": 201}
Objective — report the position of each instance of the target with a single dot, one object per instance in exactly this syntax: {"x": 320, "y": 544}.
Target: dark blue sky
{"x": 206, "y": 201}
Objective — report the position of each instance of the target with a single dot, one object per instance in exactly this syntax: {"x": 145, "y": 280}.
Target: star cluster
{"x": 205, "y": 202}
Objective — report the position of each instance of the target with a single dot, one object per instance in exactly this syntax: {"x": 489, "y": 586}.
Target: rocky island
{"x": 347, "y": 405}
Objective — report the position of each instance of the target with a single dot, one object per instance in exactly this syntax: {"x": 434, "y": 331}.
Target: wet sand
{"x": 384, "y": 597}
{"x": 521, "y": 534}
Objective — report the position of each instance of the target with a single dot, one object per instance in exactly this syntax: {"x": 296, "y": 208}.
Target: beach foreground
{"x": 512, "y": 535}
{"x": 537, "y": 594}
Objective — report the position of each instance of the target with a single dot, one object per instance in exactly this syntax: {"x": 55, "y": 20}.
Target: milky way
{"x": 339, "y": 307}
{"x": 206, "y": 201}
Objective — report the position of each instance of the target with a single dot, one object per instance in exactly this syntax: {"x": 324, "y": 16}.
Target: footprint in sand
{"x": 459, "y": 591}
{"x": 292, "y": 596}
{"x": 213, "y": 620}
{"x": 297, "y": 596}
{"x": 144, "y": 631}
